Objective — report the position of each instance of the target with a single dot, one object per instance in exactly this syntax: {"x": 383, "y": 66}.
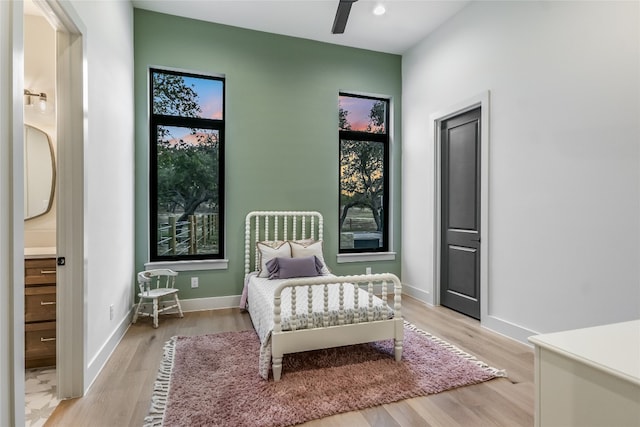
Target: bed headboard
{"x": 278, "y": 225}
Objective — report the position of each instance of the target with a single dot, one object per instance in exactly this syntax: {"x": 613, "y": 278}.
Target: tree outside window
{"x": 364, "y": 156}
{"x": 186, "y": 166}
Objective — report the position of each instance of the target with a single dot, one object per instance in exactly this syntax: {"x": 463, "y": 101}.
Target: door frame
{"x": 71, "y": 87}
{"x": 71, "y": 137}
{"x": 12, "y": 364}
{"x": 481, "y": 100}
{"x": 71, "y": 297}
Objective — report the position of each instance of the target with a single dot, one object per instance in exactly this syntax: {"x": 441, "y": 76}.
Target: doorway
{"x": 40, "y": 208}
{"x": 70, "y": 83}
{"x": 460, "y": 213}
{"x": 466, "y": 276}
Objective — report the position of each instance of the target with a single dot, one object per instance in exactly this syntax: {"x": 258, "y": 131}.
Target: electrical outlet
{"x": 368, "y": 270}
{"x": 111, "y": 312}
{"x": 194, "y": 282}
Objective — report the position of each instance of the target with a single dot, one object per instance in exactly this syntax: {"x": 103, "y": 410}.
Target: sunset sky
{"x": 211, "y": 99}
{"x": 209, "y": 96}
{"x": 187, "y": 136}
{"x": 359, "y": 109}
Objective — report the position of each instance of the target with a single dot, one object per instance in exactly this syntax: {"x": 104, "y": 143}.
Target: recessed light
{"x": 379, "y": 10}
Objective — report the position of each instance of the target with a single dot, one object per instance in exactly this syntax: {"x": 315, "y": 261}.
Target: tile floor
{"x": 40, "y": 395}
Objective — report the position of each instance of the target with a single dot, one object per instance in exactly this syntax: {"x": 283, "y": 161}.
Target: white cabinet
{"x": 588, "y": 377}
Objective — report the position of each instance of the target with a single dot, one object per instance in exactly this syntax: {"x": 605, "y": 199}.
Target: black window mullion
{"x": 371, "y": 137}
{"x": 185, "y": 122}
{"x": 188, "y": 122}
{"x": 363, "y": 136}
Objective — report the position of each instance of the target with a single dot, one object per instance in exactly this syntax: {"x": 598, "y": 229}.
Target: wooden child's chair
{"x": 155, "y": 285}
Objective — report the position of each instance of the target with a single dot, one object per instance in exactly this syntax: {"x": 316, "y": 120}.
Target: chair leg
{"x": 175, "y": 297}
{"x": 155, "y": 312}
{"x": 135, "y": 315}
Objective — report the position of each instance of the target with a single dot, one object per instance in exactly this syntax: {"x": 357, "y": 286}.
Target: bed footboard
{"x": 360, "y": 329}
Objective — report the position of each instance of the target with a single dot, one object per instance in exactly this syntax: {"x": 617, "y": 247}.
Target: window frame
{"x": 385, "y": 139}
{"x": 157, "y": 120}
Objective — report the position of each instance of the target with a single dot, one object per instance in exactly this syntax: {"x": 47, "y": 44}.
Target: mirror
{"x": 39, "y": 172}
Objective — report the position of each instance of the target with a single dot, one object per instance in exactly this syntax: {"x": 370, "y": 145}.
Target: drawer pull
{"x": 47, "y": 302}
{"x": 47, "y": 339}
{"x": 47, "y": 271}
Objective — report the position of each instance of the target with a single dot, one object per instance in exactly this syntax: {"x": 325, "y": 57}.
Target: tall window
{"x": 186, "y": 168}
{"x": 364, "y": 181}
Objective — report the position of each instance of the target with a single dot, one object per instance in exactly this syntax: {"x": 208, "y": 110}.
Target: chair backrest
{"x": 161, "y": 277}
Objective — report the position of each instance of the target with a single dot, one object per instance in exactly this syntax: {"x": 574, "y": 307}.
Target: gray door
{"x": 460, "y": 215}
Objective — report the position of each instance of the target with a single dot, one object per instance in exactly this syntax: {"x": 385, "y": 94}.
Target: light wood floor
{"x": 121, "y": 394}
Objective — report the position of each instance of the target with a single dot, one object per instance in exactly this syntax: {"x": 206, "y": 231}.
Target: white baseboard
{"x": 416, "y": 293}
{"x": 493, "y": 323}
{"x": 199, "y": 304}
{"x": 96, "y": 364}
{"x": 508, "y": 329}
{"x": 212, "y": 303}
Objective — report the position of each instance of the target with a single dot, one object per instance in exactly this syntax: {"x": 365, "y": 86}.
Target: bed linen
{"x": 259, "y": 296}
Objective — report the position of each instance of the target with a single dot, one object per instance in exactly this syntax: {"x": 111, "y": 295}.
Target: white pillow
{"x": 305, "y": 248}
{"x": 269, "y": 250}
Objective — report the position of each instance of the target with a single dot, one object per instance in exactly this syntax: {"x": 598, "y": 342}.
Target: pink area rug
{"x": 212, "y": 380}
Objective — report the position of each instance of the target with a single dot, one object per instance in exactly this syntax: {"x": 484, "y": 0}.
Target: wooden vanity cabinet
{"x": 40, "y": 312}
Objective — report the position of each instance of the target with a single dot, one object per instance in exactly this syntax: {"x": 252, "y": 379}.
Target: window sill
{"x": 209, "y": 264}
{"x": 364, "y": 257}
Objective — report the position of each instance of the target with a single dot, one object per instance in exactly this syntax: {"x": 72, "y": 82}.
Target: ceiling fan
{"x": 342, "y": 14}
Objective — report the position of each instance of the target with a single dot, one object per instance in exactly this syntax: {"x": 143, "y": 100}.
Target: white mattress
{"x": 260, "y": 305}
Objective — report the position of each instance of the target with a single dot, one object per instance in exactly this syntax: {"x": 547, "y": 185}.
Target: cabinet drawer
{"x": 40, "y": 340}
{"x": 39, "y": 303}
{"x": 40, "y": 271}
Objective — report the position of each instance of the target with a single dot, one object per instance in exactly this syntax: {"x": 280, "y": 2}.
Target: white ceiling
{"x": 405, "y": 23}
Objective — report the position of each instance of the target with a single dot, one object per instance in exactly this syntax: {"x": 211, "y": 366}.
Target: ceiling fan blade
{"x": 342, "y": 14}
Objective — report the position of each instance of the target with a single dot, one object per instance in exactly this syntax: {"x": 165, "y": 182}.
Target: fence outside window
{"x": 195, "y": 236}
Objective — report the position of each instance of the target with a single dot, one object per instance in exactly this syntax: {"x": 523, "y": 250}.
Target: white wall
{"x": 108, "y": 189}
{"x": 109, "y": 180}
{"x": 564, "y": 158}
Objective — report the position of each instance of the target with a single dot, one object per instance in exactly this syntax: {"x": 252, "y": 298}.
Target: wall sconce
{"x": 42, "y": 99}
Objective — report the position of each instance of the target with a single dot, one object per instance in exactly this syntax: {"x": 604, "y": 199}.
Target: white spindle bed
{"x": 310, "y": 313}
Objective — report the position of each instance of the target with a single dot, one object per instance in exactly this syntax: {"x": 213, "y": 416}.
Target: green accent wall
{"x": 281, "y": 138}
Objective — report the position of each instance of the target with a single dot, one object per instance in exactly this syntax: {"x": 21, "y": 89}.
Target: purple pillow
{"x": 286, "y": 268}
